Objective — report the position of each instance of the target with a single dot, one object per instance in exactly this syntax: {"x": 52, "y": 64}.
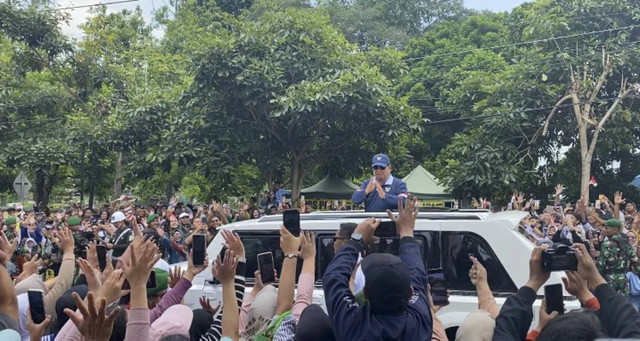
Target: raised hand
{"x": 307, "y": 245}
{"x": 224, "y": 271}
{"x": 192, "y": 269}
{"x": 477, "y": 273}
{"x": 406, "y": 218}
{"x": 370, "y": 186}
{"x": 587, "y": 267}
{"x": 543, "y": 317}
{"x": 30, "y": 267}
{"x": 618, "y": 199}
{"x": 380, "y": 190}
{"x": 205, "y": 303}
{"x": 112, "y": 287}
{"x": 367, "y": 228}
{"x": 92, "y": 274}
{"x": 288, "y": 243}
{"x": 559, "y": 190}
{"x": 92, "y": 255}
{"x": 577, "y": 286}
{"x": 92, "y": 322}
{"x": 174, "y": 276}
{"x": 67, "y": 243}
{"x": 142, "y": 259}
{"x": 537, "y": 275}
{"x": 36, "y": 331}
{"x": 233, "y": 242}
{"x": 6, "y": 249}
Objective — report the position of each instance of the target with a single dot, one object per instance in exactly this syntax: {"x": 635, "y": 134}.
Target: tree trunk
{"x": 82, "y": 174}
{"x": 116, "y": 190}
{"x": 585, "y": 178}
{"x": 39, "y": 186}
{"x": 296, "y": 182}
{"x": 94, "y": 175}
{"x": 48, "y": 187}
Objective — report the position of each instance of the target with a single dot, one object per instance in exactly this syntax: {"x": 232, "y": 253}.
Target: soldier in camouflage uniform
{"x": 80, "y": 241}
{"x": 617, "y": 257}
{"x": 10, "y": 228}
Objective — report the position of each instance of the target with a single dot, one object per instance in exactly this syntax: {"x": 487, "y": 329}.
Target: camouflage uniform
{"x": 616, "y": 258}
{"x": 10, "y": 233}
{"x": 80, "y": 244}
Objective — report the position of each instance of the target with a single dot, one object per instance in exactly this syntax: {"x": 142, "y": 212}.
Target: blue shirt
{"x": 393, "y": 188}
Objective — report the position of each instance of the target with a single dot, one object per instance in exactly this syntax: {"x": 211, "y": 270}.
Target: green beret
{"x": 11, "y": 220}
{"x": 152, "y": 218}
{"x": 613, "y": 223}
{"x": 162, "y": 282}
{"x": 74, "y": 221}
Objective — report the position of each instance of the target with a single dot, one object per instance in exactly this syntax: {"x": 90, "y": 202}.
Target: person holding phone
{"x": 381, "y": 192}
{"x": 395, "y": 287}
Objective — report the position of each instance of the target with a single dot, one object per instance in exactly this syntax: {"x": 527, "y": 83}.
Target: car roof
{"x": 327, "y": 220}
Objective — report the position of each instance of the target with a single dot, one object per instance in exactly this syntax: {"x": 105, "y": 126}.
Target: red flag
{"x": 593, "y": 182}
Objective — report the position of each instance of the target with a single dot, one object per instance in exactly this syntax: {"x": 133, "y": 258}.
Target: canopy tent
{"x": 331, "y": 187}
{"x": 424, "y": 186}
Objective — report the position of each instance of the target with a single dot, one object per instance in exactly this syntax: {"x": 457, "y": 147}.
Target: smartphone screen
{"x": 553, "y": 296}
{"x": 438, "y": 287}
{"x": 265, "y": 265}
{"x": 199, "y": 246}
{"x": 386, "y": 229}
{"x": 102, "y": 256}
{"x": 151, "y": 282}
{"x": 291, "y": 221}
{"x": 36, "y": 305}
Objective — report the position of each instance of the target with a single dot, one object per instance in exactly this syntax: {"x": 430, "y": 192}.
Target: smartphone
{"x": 438, "y": 287}
{"x": 36, "y": 305}
{"x": 598, "y": 204}
{"x": 553, "y": 296}
{"x": 102, "y": 256}
{"x": 291, "y": 221}
{"x": 386, "y": 229}
{"x": 199, "y": 249}
{"x": 151, "y": 282}
{"x": 265, "y": 265}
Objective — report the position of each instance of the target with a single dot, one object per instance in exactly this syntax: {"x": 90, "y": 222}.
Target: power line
{"x": 525, "y": 42}
{"x": 97, "y": 4}
{"x": 458, "y": 119}
{"x": 541, "y": 62}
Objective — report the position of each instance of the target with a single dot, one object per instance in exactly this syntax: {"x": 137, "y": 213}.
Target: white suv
{"x": 447, "y": 238}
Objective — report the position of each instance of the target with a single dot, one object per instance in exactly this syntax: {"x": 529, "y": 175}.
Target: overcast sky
{"x": 79, "y": 16}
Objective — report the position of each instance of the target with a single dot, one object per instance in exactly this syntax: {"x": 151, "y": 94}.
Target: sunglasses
{"x": 378, "y": 167}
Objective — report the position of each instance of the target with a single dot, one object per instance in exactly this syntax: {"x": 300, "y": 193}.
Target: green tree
{"x": 299, "y": 89}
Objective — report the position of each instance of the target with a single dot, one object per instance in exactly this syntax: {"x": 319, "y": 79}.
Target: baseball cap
{"x": 615, "y": 223}
{"x": 184, "y": 214}
{"x": 380, "y": 160}
{"x": 388, "y": 284}
{"x": 174, "y": 321}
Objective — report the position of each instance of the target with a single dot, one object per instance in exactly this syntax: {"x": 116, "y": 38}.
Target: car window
{"x": 325, "y": 251}
{"x": 255, "y": 244}
{"x": 457, "y": 247}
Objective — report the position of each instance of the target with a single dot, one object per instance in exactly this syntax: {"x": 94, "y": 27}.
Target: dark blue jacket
{"x": 36, "y": 235}
{"x": 354, "y": 322}
{"x": 373, "y": 202}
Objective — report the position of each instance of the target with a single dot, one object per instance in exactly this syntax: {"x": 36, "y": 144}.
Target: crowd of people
{"x": 378, "y": 297}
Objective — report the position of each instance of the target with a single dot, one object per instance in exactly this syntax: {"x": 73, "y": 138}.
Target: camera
{"x": 559, "y": 257}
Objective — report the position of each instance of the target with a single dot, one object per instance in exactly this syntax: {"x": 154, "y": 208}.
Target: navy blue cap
{"x": 388, "y": 283}
{"x": 380, "y": 160}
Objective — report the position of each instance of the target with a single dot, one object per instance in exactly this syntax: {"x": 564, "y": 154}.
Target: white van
{"x": 447, "y": 238}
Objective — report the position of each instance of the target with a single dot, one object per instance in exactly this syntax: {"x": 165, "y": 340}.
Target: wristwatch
{"x": 357, "y": 238}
